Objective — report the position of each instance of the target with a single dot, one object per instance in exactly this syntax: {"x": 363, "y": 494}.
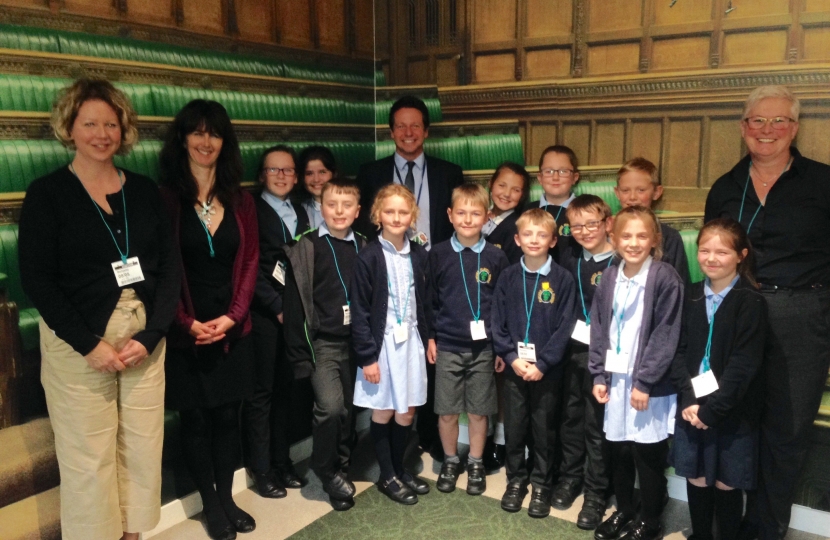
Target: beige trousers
{"x": 109, "y": 429}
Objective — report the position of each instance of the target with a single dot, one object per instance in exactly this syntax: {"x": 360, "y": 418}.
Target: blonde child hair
{"x": 539, "y": 217}
{"x": 646, "y": 216}
{"x": 471, "y": 192}
{"x": 390, "y": 190}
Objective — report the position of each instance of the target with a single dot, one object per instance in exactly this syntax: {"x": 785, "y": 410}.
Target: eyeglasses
{"x": 591, "y": 226}
{"x": 550, "y": 173}
{"x": 759, "y": 122}
{"x": 275, "y": 171}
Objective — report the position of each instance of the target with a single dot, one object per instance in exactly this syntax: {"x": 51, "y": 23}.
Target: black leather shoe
{"x": 414, "y": 483}
{"x": 539, "y": 503}
{"x": 398, "y": 491}
{"x": 476, "y": 479}
{"x": 341, "y": 506}
{"x": 288, "y": 477}
{"x": 338, "y": 487}
{"x": 267, "y": 486}
{"x": 493, "y": 455}
{"x": 565, "y": 493}
{"x": 513, "y": 496}
{"x": 243, "y": 523}
{"x": 217, "y": 524}
{"x": 225, "y": 533}
{"x": 639, "y": 530}
{"x": 591, "y": 514}
{"x": 611, "y": 528}
{"x": 448, "y": 477}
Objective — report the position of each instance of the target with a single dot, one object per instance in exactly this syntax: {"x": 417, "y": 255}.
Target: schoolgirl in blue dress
{"x": 715, "y": 372}
{"x": 390, "y": 317}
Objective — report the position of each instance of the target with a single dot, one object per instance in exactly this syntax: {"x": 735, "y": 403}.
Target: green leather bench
{"x": 29, "y": 317}
{"x": 690, "y": 245}
{"x": 470, "y": 153}
{"x": 78, "y": 43}
{"x": 382, "y": 111}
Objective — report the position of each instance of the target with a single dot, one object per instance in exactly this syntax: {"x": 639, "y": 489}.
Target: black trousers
{"x": 796, "y": 364}
{"x": 584, "y": 448}
{"x": 529, "y": 421}
{"x": 265, "y": 416}
{"x": 649, "y": 461}
{"x": 331, "y": 428}
{"x": 427, "y": 422}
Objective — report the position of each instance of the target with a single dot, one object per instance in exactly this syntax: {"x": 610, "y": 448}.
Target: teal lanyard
{"x": 337, "y": 267}
{"x": 207, "y": 232}
{"x": 706, "y": 366}
{"x": 477, "y": 312}
{"x": 743, "y": 197}
{"x": 621, "y": 316}
{"x": 528, "y": 312}
{"x": 285, "y": 237}
{"x": 126, "y": 223}
{"x": 579, "y": 282}
{"x": 398, "y": 314}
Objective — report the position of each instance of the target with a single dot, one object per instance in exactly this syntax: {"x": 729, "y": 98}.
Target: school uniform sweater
{"x": 503, "y": 237}
{"x": 450, "y": 304}
{"x": 659, "y": 331}
{"x": 587, "y": 273}
{"x": 370, "y": 297}
{"x": 674, "y": 253}
{"x": 736, "y": 354}
{"x": 329, "y": 296}
{"x": 552, "y": 319}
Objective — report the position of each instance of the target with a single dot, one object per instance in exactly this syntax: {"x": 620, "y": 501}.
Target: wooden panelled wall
{"x": 340, "y": 27}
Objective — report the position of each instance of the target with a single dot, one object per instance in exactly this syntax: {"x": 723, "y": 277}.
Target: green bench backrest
{"x": 690, "y": 245}
{"x": 470, "y": 153}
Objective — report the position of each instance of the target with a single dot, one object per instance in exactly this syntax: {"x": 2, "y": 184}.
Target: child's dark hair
{"x": 516, "y": 169}
{"x": 409, "y": 102}
{"x": 588, "y": 203}
{"x": 309, "y": 154}
{"x": 732, "y": 234}
{"x": 560, "y": 149}
{"x": 341, "y": 185}
{"x": 277, "y": 148}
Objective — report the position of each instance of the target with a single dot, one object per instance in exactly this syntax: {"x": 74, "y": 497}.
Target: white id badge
{"x": 347, "y": 316}
{"x": 616, "y": 363}
{"x": 279, "y": 272}
{"x": 527, "y": 352}
{"x": 582, "y": 332}
{"x": 705, "y": 384}
{"x": 401, "y": 333}
{"x": 477, "y": 330}
{"x": 128, "y": 273}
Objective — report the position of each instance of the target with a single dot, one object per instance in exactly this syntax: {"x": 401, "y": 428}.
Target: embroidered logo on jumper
{"x": 596, "y": 278}
{"x": 483, "y": 275}
{"x": 497, "y": 245}
{"x": 546, "y": 295}
{"x": 565, "y": 230}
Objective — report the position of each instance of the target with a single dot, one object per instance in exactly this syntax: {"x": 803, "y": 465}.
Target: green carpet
{"x": 437, "y": 516}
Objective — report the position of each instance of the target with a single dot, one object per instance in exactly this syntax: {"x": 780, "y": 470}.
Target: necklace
{"x": 207, "y": 211}
{"x": 765, "y": 184}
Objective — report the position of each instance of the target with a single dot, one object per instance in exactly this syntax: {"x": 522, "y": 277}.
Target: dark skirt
{"x": 727, "y": 453}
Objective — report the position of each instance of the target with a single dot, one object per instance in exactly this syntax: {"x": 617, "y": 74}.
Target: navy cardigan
{"x": 659, "y": 332}
{"x": 370, "y": 296}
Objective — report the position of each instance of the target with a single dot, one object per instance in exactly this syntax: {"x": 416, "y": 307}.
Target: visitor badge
{"x": 477, "y": 330}
{"x": 279, "y": 272}
{"x": 704, "y": 384}
{"x": 127, "y": 272}
{"x": 347, "y": 316}
{"x": 527, "y": 351}
{"x": 420, "y": 238}
{"x": 401, "y": 333}
{"x": 582, "y": 332}
{"x": 616, "y": 362}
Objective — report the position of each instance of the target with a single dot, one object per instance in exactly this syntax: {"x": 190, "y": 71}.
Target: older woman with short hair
{"x": 97, "y": 260}
{"x": 783, "y": 201}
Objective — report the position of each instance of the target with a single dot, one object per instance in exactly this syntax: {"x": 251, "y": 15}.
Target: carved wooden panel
{"x": 607, "y": 15}
{"x": 814, "y": 137}
{"x": 543, "y": 134}
{"x": 418, "y": 72}
{"x": 817, "y": 43}
{"x": 755, "y": 8}
{"x": 682, "y": 12}
{"x": 618, "y": 58}
{"x": 724, "y": 149}
{"x": 87, "y": 7}
{"x": 548, "y": 63}
{"x": 816, "y": 5}
{"x": 495, "y": 20}
{"x": 608, "y": 144}
{"x": 203, "y": 15}
{"x": 549, "y": 17}
{"x": 255, "y": 19}
{"x": 381, "y": 28}
{"x": 495, "y": 67}
{"x": 578, "y": 137}
{"x": 331, "y": 24}
{"x": 683, "y": 153}
{"x": 158, "y": 11}
{"x": 447, "y": 71}
{"x": 680, "y": 53}
{"x": 645, "y": 141}
{"x": 294, "y": 23}
{"x": 364, "y": 25}
{"x": 767, "y": 47}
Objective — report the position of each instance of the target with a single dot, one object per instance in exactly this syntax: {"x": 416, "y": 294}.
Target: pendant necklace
{"x": 207, "y": 211}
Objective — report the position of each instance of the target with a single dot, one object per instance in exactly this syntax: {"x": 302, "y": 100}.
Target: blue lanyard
{"x": 706, "y": 366}
{"x": 337, "y": 267}
{"x": 622, "y": 315}
{"x": 579, "y": 282}
{"x": 284, "y": 230}
{"x": 477, "y": 312}
{"x": 528, "y": 312}
{"x": 207, "y": 232}
{"x": 126, "y": 223}
{"x": 743, "y": 197}
{"x": 421, "y": 187}
{"x": 398, "y": 314}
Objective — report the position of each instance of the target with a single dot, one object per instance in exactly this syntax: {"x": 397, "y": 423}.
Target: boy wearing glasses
{"x": 639, "y": 185}
{"x": 581, "y": 432}
{"x": 558, "y": 174}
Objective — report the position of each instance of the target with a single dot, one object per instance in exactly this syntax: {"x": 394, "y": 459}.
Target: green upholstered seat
{"x": 29, "y": 324}
{"x": 29, "y": 316}
{"x": 603, "y": 189}
{"x": 690, "y": 245}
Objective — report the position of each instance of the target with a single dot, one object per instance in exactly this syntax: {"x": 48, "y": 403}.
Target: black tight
{"x": 649, "y": 460}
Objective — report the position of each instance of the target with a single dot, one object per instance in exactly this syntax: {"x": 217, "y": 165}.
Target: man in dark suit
{"x": 431, "y": 180}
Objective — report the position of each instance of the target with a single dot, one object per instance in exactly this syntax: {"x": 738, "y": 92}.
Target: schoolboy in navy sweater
{"x": 464, "y": 271}
{"x": 533, "y": 318}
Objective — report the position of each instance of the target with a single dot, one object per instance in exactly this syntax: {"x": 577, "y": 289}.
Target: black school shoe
{"x": 476, "y": 479}
{"x": 593, "y": 510}
{"x": 565, "y": 493}
{"x": 397, "y": 491}
{"x": 341, "y": 506}
{"x": 513, "y": 496}
{"x": 339, "y": 487}
{"x": 288, "y": 476}
{"x": 611, "y": 528}
{"x": 267, "y": 486}
{"x": 448, "y": 477}
{"x": 493, "y": 455}
{"x": 414, "y": 483}
{"x": 539, "y": 503}
{"x": 639, "y": 530}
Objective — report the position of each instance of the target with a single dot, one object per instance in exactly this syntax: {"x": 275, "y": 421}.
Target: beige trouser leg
{"x": 108, "y": 429}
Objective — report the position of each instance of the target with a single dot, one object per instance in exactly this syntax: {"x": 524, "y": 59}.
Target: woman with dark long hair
{"x": 210, "y": 360}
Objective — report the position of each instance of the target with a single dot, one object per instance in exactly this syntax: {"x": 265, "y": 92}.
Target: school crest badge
{"x": 483, "y": 275}
{"x": 595, "y": 279}
{"x": 565, "y": 230}
{"x": 546, "y": 294}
